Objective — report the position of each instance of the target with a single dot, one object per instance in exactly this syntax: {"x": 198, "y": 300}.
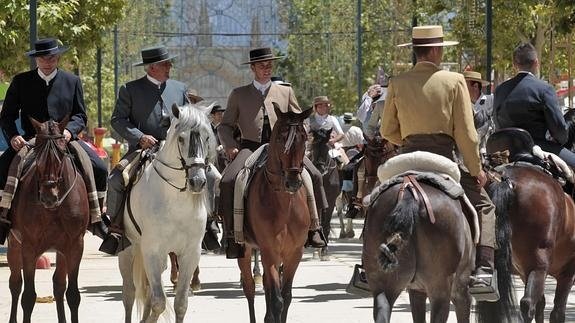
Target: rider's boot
{"x": 315, "y": 237}
{"x": 484, "y": 279}
{"x": 99, "y": 228}
{"x": 234, "y": 250}
{"x": 115, "y": 240}
{"x": 4, "y": 225}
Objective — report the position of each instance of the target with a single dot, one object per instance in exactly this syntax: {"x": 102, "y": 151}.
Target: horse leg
{"x": 383, "y": 305}
{"x": 125, "y": 263}
{"x": 173, "y": 268}
{"x": 562, "y": 289}
{"x": 439, "y": 295}
{"x": 540, "y": 310}
{"x": 257, "y": 271}
{"x": 59, "y": 286}
{"x": 248, "y": 284}
{"x": 73, "y": 259}
{"x": 417, "y": 302}
{"x": 272, "y": 287}
{"x": 188, "y": 263}
{"x": 533, "y": 292}
{"x": 14, "y": 258}
{"x": 196, "y": 285}
{"x": 29, "y": 258}
{"x": 339, "y": 208}
{"x": 290, "y": 266}
{"x": 462, "y": 301}
{"x": 154, "y": 266}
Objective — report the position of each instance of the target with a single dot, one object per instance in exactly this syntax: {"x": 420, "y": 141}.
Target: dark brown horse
{"x": 403, "y": 249}
{"x": 328, "y": 167}
{"x": 50, "y": 211}
{"x": 277, "y": 217}
{"x": 542, "y": 220}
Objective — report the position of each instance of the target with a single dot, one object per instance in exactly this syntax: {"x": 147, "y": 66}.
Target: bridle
{"x": 293, "y": 128}
{"x": 51, "y": 146}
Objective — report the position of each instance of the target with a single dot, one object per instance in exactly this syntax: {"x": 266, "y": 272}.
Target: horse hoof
{"x": 351, "y": 234}
{"x": 315, "y": 255}
{"x": 258, "y": 279}
{"x": 195, "y": 286}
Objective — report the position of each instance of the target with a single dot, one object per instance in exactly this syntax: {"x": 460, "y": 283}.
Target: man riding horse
{"x": 45, "y": 93}
{"x": 250, "y": 109}
{"x": 429, "y": 109}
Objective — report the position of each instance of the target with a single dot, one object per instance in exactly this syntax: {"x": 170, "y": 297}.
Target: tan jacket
{"x": 428, "y": 100}
{"x": 244, "y": 111}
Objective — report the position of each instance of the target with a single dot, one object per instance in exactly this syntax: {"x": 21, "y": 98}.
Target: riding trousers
{"x": 444, "y": 145}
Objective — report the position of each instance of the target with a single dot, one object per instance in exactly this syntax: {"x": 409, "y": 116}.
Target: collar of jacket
{"x": 425, "y": 65}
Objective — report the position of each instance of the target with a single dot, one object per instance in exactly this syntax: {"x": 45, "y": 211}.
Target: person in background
{"x": 322, "y": 119}
{"x": 482, "y": 106}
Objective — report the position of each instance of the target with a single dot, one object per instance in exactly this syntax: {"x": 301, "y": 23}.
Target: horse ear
{"x": 62, "y": 124}
{"x": 35, "y": 123}
{"x": 306, "y": 113}
{"x": 277, "y": 109}
{"x": 176, "y": 110}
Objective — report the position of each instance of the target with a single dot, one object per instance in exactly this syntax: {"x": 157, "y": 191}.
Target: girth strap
{"x": 411, "y": 183}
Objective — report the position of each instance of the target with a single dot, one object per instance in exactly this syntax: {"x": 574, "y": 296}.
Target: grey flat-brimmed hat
{"x": 46, "y": 46}
{"x": 155, "y": 54}
{"x": 261, "y": 55}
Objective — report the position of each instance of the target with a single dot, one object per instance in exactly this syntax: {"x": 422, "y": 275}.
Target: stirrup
{"x": 483, "y": 285}
{"x": 358, "y": 284}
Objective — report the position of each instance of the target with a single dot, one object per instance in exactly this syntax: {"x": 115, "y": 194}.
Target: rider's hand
{"x": 17, "y": 142}
{"x": 481, "y": 178}
{"x": 147, "y": 141}
{"x": 231, "y": 153}
{"x": 374, "y": 90}
{"x": 67, "y": 135}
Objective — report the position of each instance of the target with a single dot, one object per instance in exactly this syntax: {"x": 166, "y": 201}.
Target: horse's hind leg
{"x": 417, "y": 302}
{"x": 383, "y": 305}
{"x": 125, "y": 263}
{"x": 59, "y": 286}
{"x": 533, "y": 293}
{"x": 14, "y": 257}
{"x": 248, "y": 283}
{"x": 73, "y": 259}
{"x": 564, "y": 283}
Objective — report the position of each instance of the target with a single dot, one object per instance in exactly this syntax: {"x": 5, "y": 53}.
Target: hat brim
{"x": 196, "y": 97}
{"x": 442, "y": 44}
{"x": 162, "y": 60}
{"x": 483, "y": 82}
{"x": 263, "y": 60}
{"x": 56, "y": 51}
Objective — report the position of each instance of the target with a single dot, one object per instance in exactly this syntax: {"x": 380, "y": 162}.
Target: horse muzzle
{"x": 196, "y": 184}
{"x": 293, "y": 181}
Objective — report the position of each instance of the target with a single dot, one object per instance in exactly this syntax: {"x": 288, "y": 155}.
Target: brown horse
{"x": 277, "y": 217}
{"x": 404, "y": 249}
{"x": 542, "y": 220}
{"x": 50, "y": 211}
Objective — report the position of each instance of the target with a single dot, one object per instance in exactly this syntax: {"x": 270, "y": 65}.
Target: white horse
{"x": 169, "y": 208}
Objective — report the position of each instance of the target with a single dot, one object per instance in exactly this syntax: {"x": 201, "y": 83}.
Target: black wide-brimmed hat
{"x": 46, "y": 46}
{"x": 155, "y": 54}
{"x": 262, "y": 55}
{"x": 217, "y": 108}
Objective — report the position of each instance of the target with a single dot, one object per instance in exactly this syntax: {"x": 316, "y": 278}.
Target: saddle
{"x": 515, "y": 145}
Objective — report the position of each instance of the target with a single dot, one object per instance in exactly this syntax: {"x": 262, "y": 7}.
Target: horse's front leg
{"x": 126, "y": 263}
{"x": 14, "y": 257}
{"x": 59, "y": 286}
{"x": 154, "y": 265}
{"x": 29, "y": 258}
{"x": 289, "y": 268}
{"x": 73, "y": 259}
{"x": 272, "y": 287}
{"x": 187, "y": 263}
{"x": 247, "y": 281}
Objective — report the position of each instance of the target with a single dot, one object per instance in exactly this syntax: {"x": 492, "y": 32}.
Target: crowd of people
{"x": 423, "y": 109}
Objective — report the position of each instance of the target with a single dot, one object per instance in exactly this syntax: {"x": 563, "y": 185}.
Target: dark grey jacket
{"x": 138, "y": 109}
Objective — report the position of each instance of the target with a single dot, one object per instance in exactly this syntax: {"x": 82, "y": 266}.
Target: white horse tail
{"x": 140, "y": 281}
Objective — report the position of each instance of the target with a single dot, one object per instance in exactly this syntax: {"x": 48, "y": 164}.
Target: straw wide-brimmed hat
{"x": 261, "y": 55}
{"x": 428, "y": 36}
{"x": 474, "y": 76}
{"x": 348, "y": 116}
{"x": 193, "y": 94}
{"x": 46, "y": 46}
{"x": 320, "y": 99}
{"x": 155, "y": 55}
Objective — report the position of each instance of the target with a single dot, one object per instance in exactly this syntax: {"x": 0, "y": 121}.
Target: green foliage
{"x": 3, "y": 89}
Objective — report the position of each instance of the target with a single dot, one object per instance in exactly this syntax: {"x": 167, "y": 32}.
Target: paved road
{"x": 318, "y": 295}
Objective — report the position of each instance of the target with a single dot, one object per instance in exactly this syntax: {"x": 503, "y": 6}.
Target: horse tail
{"x": 398, "y": 227}
{"x": 503, "y": 196}
{"x": 140, "y": 281}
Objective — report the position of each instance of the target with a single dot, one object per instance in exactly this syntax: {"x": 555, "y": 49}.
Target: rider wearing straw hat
{"x": 482, "y": 105}
{"x": 429, "y": 109}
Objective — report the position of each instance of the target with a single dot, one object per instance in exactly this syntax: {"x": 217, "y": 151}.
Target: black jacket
{"x": 531, "y": 105}
{"x": 29, "y": 96}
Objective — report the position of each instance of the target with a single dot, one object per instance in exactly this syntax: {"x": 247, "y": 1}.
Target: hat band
{"x": 425, "y": 41}
{"x": 152, "y": 59}
{"x": 261, "y": 57}
{"x": 46, "y": 50}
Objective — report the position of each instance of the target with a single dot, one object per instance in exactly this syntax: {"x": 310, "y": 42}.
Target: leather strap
{"x": 424, "y": 196}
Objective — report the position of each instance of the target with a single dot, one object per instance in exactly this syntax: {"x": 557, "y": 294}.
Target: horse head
{"x": 287, "y": 146}
{"x": 320, "y": 149}
{"x": 377, "y": 151}
{"x": 50, "y": 150}
{"x": 191, "y": 135}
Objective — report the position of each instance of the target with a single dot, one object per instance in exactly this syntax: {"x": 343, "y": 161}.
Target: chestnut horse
{"x": 404, "y": 249}
{"x": 277, "y": 217}
{"x": 50, "y": 211}
{"x": 328, "y": 167}
{"x": 542, "y": 220}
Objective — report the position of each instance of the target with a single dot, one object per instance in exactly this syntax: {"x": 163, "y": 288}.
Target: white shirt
{"x": 153, "y": 80}
{"x": 262, "y": 87}
{"x": 325, "y": 122}
{"x": 365, "y": 106}
{"x": 47, "y": 78}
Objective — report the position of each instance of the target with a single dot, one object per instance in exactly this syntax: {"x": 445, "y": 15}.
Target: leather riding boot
{"x": 315, "y": 237}
{"x": 115, "y": 241}
{"x": 210, "y": 241}
{"x": 4, "y": 225}
{"x": 100, "y": 228}
{"x": 234, "y": 250}
{"x": 483, "y": 283}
